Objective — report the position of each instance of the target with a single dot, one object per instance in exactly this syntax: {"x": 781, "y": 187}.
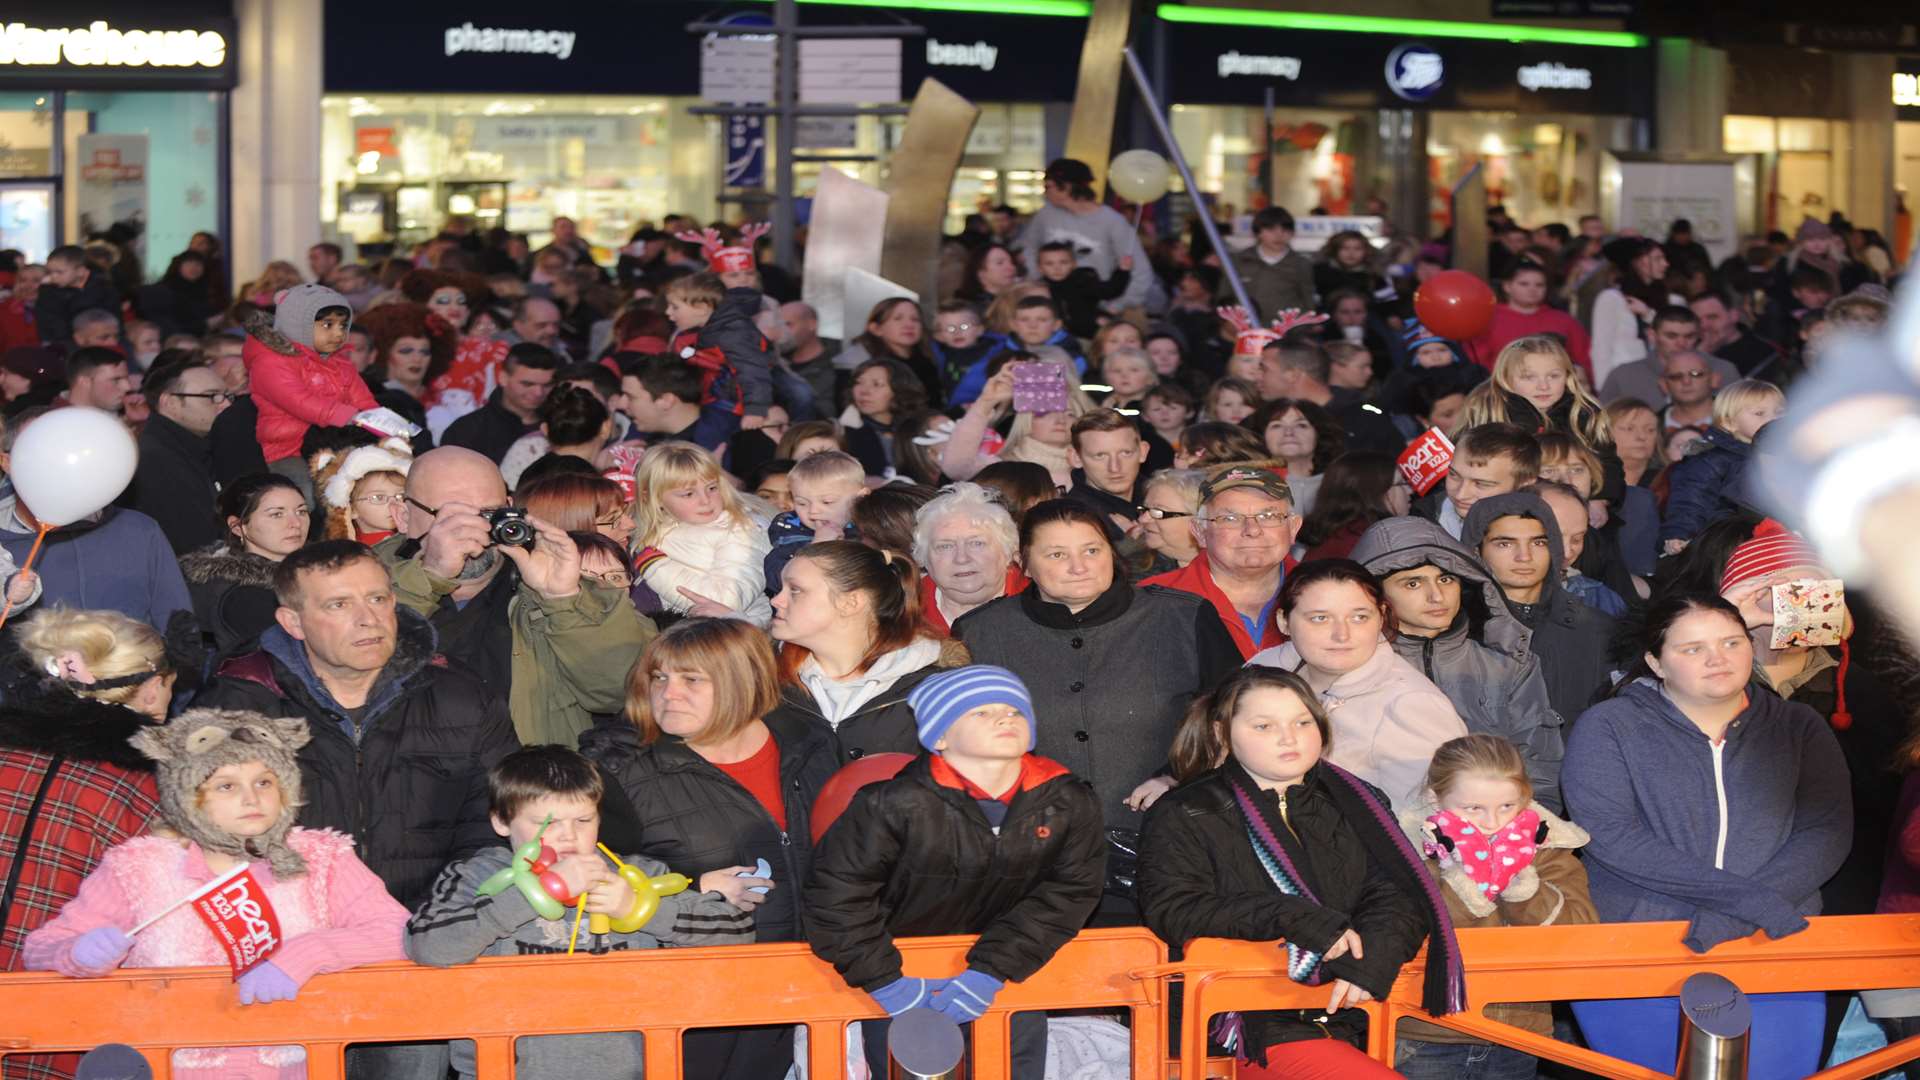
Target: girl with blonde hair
{"x": 1041, "y": 438}
{"x": 695, "y": 538}
{"x": 1536, "y": 386}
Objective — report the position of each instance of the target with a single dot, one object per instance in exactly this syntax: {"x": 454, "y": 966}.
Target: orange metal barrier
{"x": 660, "y": 993}
{"x": 663, "y": 993}
{"x": 1569, "y": 963}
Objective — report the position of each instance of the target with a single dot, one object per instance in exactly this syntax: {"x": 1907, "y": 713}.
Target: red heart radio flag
{"x": 242, "y": 920}
{"x": 1426, "y": 459}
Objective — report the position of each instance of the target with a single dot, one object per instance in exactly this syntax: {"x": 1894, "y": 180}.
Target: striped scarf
{"x": 1445, "y": 989}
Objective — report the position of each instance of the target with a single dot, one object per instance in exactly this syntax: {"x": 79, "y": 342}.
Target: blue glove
{"x": 903, "y": 993}
{"x": 967, "y": 995}
{"x": 265, "y": 983}
{"x": 100, "y": 951}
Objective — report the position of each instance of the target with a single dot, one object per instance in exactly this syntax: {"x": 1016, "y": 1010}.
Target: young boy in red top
{"x": 977, "y": 836}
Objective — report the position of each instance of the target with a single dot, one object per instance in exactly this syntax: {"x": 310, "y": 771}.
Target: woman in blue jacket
{"x": 1712, "y": 806}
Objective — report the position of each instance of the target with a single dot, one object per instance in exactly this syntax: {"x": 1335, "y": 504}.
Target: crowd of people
{"x": 1116, "y": 606}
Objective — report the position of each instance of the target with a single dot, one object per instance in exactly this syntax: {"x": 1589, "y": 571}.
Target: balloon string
{"x": 579, "y": 909}
{"x": 31, "y": 557}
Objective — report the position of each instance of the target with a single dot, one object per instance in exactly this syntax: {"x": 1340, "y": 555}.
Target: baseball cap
{"x": 1246, "y": 476}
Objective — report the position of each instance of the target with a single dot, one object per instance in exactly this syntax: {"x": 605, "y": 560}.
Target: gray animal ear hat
{"x": 192, "y": 746}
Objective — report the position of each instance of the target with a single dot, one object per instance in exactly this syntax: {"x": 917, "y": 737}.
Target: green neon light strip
{"x": 1074, "y": 9}
{"x": 1368, "y": 24}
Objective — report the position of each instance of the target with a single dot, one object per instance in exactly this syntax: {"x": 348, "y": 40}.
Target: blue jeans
{"x": 1419, "y": 1060}
{"x": 1787, "y": 1032}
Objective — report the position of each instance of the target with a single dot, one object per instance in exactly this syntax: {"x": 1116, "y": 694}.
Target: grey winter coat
{"x": 1572, "y": 641}
{"x": 1733, "y": 838}
{"x": 1481, "y": 662}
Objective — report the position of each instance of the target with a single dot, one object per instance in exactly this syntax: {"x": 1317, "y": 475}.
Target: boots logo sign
{"x": 946, "y": 54}
{"x": 1415, "y": 72}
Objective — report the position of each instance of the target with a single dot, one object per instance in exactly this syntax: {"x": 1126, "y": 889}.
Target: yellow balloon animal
{"x": 647, "y": 892}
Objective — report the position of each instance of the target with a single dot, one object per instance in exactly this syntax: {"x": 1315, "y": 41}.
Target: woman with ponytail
{"x": 852, "y": 645}
{"x": 1272, "y": 841}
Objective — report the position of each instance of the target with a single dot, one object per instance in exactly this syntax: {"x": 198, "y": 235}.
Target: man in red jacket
{"x": 1245, "y": 529}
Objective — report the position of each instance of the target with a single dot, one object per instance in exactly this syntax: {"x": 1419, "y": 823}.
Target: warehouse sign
{"x": 100, "y": 45}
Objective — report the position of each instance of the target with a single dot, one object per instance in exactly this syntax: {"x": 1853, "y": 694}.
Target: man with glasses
{"x": 556, "y": 646}
{"x": 173, "y": 483}
{"x": 1245, "y": 529}
{"x": 1676, "y": 330}
{"x": 1690, "y": 382}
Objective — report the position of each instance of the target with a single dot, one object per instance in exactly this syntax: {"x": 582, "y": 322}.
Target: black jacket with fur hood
{"x": 232, "y": 595}
{"x": 406, "y": 774}
{"x": 98, "y": 792}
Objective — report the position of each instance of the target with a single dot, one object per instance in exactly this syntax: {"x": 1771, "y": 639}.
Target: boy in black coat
{"x": 978, "y": 836}
{"x": 1077, "y": 290}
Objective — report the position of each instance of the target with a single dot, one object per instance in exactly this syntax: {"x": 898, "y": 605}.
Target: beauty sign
{"x": 1425, "y": 460}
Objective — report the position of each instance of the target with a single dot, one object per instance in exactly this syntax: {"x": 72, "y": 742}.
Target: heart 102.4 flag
{"x": 1425, "y": 460}
{"x": 242, "y": 921}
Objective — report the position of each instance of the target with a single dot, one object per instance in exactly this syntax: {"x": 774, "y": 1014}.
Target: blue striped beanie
{"x": 944, "y": 698}
{"x": 1416, "y": 334}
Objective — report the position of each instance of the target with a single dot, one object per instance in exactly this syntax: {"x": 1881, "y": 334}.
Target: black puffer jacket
{"x": 1199, "y": 877}
{"x": 912, "y": 857}
{"x": 884, "y": 725}
{"x": 232, "y": 595}
{"x": 409, "y": 781}
{"x": 1109, "y": 684}
{"x": 695, "y": 818}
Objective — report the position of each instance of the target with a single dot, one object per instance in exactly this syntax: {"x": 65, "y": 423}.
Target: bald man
{"x": 558, "y": 650}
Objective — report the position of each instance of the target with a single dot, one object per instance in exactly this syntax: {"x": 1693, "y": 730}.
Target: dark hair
{"x": 662, "y": 374}
{"x": 1222, "y": 442}
{"x": 1726, "y": 301}
{"x": 606, "y": 382}
{"x": 892, "y": 587}
{"x": 878, "y": 349}
{"x": 1201, "y": 742}
{"x": 325, "y": 556}
{"x": 776, "y": 467}
{"x": 1488, "y": 441}
{"x": 1311, "y": 573}
{"x": 1809, "y": 276}
{"x": 532, "y": 773}
{"x": 1072, "y": 174}
{"x": 970, "y": 289}
{"x": 1699, "y": 567}
{"x": 1029, "y": 303}
{"x": 1272, "y": 217}
{"x": 1170, "y": 392}
{"x": 68, "y": 253}
{"x": 1353, "y": 488}
{"x": 573, "y": 416}
{"x": 527, "y": 354}
{"x": 958, "y": 306}
{"x": 1304, "y": 355}
{"x": 909, "y": 393}
{"x": 1431, "y": 387}
{"x": 86, "y": 361}
{"x": 165, "y": 373}
{"x": 1058, "y": 512}
{"x": 550, "y": 464}
{"x": 1330, "y": 439}
{"x": 918, "y": 463}
{"x": 1649, "y": 634}
{"x": 1019, "y": 485}
{"x": 587, "y": 540}
{"x": 331, "y": 249}
{"x": 1100, "y": 420}
{"x": 884, "y": 517}
{"x": 1058, "y": 245}
{"x": 1674, "y": 313}
{"x": 242, "y": 497}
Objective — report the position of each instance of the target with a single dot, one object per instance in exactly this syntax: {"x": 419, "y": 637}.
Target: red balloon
{"x": 838, "y": 791}
{"x": 1455, "y": 304}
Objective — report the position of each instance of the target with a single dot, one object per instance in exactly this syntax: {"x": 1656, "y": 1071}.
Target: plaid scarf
{"x": 1445, "y": 989}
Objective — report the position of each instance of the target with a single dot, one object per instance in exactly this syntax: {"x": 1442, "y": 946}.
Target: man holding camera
{"x": 513, "y": 609}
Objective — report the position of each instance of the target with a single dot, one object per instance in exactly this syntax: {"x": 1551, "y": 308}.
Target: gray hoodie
{"x": 1481, "y": 662}
{"x": 1572, "y": 641}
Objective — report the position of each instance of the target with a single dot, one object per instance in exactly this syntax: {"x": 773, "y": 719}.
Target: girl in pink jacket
{"x": 300, "y": 378}
{"x": 229, "y": 789}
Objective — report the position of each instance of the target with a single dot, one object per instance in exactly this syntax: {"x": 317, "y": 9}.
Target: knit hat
{"x": 295, "y": 309}
{"x": 1773, "y": 548}
{"x": 197, "y": 743}
{"x": 37, "y": 364}
{"x": 1416, "y": 334}
{"x": 1812, "y": 228}
{"x": 943, "y": 699}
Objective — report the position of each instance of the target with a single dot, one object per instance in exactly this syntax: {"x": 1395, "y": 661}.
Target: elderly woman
{"x": 966, "y": 541}
{"x": 1171, "y": 498}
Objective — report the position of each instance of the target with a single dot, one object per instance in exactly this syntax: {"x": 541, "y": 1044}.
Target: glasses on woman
{"x": 1158, "y": 514}
{"x": 618, "y": 579}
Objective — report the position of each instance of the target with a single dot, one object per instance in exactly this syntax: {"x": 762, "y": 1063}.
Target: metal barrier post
{"x": 1716, "y": 1025}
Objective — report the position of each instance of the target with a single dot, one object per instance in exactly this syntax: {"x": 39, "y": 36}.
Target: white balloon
{"x": 1139, "y": 176}
{"x": 72, "y": 462}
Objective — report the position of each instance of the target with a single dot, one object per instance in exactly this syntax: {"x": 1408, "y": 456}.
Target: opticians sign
{"x": 103, "y": 53}
{"x": 1537, "y": 77}
{"x": 1906, "y": 88}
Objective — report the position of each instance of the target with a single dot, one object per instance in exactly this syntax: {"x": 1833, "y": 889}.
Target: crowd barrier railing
{"x": 664, "y": 993}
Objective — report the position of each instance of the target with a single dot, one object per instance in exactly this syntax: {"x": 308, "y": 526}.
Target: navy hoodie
{"x": 121, "y": 562}
{"x": 1732, "y": 839}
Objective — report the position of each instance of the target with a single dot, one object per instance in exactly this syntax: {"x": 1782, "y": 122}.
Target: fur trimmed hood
{"x": 42, "y": 715}
{"x": 220, "y": 565}
{"x": 259, "y": 326}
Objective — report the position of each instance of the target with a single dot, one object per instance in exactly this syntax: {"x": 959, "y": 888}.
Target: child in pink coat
{"x": 299, "y": 375}
{"x": 229, "y": 789}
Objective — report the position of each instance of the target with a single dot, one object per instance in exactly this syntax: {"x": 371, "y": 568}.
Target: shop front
{"x": 1344, "y": 120}
{"x": 1787, "y": 122}
{"x": 1906, "y": 150}
{"x": 113, "y": 123}
{"x": 514, "y": 115}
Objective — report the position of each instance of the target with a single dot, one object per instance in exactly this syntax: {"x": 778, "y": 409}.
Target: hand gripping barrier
{"x": 658, "y": 992}
{"x": 665, "y": 992}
